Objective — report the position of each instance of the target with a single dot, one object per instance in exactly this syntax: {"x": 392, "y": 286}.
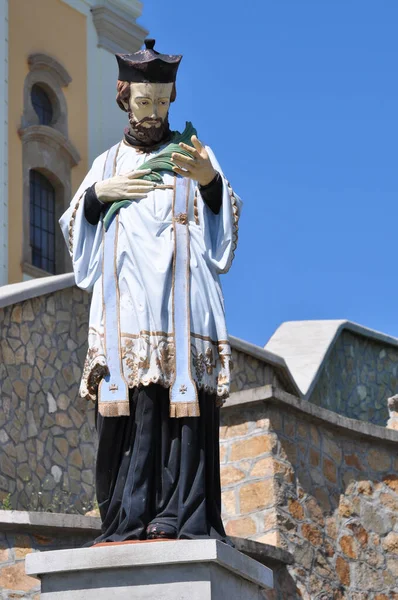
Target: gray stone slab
{"x": 271, "y": 394}
{"x": 185, "y": 569}
{"x": 48, "y": 522}
{"x": 25, "y": 290}
{"x": 264, "y": 553}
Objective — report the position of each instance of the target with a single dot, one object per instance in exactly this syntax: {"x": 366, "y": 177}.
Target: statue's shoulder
{"x": 99, "y": 162}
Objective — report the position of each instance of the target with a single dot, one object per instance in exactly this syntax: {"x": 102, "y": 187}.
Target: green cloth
{"x": 160, "y": 162}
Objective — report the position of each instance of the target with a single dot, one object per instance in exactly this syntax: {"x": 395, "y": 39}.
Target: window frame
{"x": 50, "y": 98}
{"x": 47, "y": 149}
{"x": 39, "y": 187}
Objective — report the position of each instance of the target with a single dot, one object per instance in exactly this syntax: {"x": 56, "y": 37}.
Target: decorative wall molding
{"x": 32, "y": 271}
{"x": 132, "y": 7}
{"x": 117, "y": 29}
{"x": 48, "y": 151}
{"x": 50, "y": 136}
{"x": 52, "y": 77}
{"x": 43, "y": 62}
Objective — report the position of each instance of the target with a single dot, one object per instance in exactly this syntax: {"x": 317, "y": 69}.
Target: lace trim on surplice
{"x": 235, "y": 216}
{"x": 148, "y": 357}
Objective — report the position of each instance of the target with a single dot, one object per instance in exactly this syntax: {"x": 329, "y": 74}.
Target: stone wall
{"x": 22, "y": 533}
{"x": 327, "y": 493}
{"x": 47, "y": 432}
{"x": 249, "y": 372}
{"x": 359, "y": 375}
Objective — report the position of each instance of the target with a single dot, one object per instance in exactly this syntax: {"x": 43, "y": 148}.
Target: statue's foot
{"x": 160, "y": 531}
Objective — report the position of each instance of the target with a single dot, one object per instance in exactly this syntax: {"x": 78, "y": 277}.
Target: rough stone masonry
{"x": 326, "y": 493}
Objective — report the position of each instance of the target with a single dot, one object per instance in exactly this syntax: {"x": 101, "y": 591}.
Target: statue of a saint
{"x": 151, "y": 228}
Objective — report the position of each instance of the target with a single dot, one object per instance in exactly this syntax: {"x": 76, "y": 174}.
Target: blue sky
{"x": 299, "y": 100}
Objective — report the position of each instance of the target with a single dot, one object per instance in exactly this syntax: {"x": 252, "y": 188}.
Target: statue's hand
{"x": 198, "y": 167}
{"x": 124, "y": 187}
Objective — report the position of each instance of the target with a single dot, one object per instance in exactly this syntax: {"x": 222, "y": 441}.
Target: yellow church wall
{"x": 55, "y": 29}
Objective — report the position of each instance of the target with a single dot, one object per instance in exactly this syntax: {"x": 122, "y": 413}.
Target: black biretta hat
{"x": 148, "y": 66}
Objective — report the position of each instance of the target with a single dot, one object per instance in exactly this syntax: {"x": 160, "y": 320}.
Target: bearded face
{"x": 149, "y": 130}
{"x": 148, "y": 110}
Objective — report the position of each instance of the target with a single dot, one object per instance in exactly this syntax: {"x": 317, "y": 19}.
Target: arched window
{"x": 42, "y": 104}
{"x": 48, "y": 158}
{"x": 42, "y": 222}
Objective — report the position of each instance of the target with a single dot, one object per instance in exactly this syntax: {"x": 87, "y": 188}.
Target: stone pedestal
{"x": 186, "y": 569}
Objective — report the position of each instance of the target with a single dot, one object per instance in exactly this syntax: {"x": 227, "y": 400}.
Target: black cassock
{"x": 157, "y": 471}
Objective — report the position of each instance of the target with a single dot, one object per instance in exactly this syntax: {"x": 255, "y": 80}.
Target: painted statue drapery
{"x": 144, "y": 265}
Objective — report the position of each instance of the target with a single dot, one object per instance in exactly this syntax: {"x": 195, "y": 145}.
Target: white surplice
{"x": 144, "y": 258}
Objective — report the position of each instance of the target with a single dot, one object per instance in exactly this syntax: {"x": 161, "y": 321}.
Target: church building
{"x": 56, "y": 115}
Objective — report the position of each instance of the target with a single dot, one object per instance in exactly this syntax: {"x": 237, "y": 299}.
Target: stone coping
{"x": 63, "y": 524}
{"x": 25, "y": 290}
{"x": 269, "y": 393}
{"x": 147, "y": 555}
{"x": 264, "y": 355}
{"x": 264, "y": 553}
{"x": 48, "y": 522}
{"x": 306, "y": 346}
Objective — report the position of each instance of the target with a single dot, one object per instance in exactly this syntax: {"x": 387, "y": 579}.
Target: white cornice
{"x": 131, "y": 7}
{"x": 116, "y": 27}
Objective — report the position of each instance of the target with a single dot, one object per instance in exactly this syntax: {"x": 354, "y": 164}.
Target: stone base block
{"x": 185, "y": 569}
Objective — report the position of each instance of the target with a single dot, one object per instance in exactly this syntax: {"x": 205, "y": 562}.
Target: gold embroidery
{"x": 138, "y": 355}
{"x": 71, "y": 225}
{"x": 135, "y": 336}
{"x": 166, "y": 358}
{"x": 235, "y": 215}
{"x": 151, "y": 359}
{"x": 195, "y": 207}
{"x": 206, "y": 338}
{"x": 203, "y": 363}
{"x": 181, "y": 218}
{"x": 94, "y": 370}
{"x": 222, "y": 379}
